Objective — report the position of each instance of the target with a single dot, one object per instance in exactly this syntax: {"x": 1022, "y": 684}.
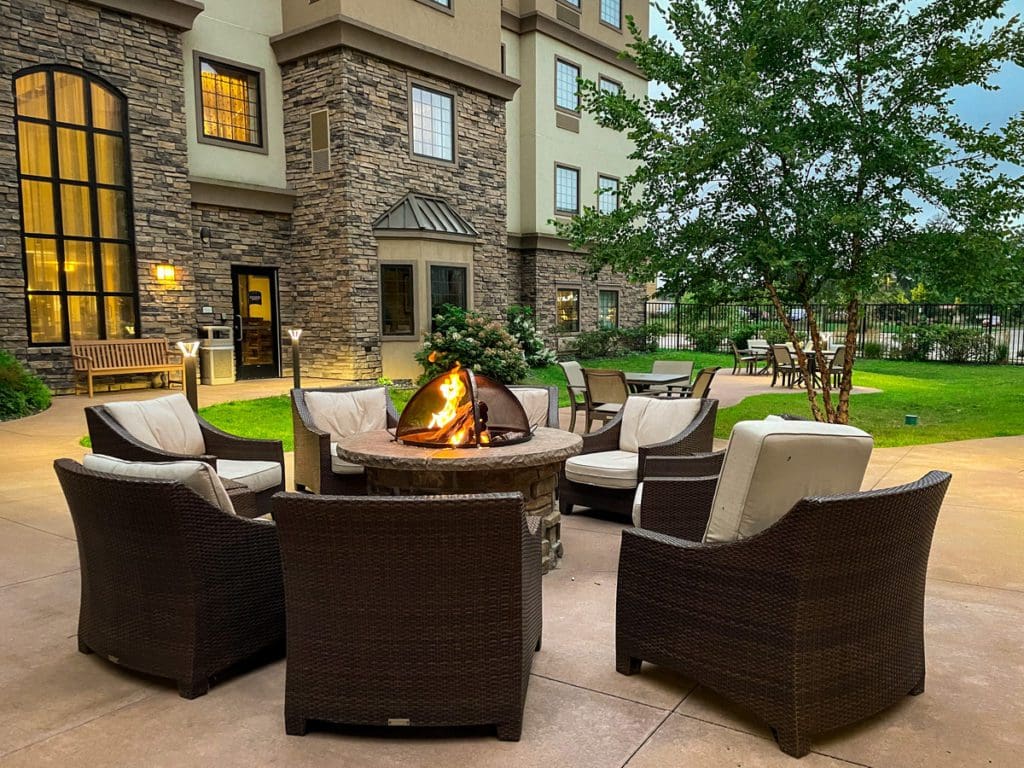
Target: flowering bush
{"x": 523, "y": 327}
{"x": 471, "y": 339}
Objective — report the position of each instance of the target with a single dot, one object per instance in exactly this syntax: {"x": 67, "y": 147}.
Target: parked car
{"x": 798, "y": 313}
{"x": 990, "y": 321}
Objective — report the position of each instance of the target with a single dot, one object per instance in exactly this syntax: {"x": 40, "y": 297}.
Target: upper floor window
{"x": 230, "y": 104}
{"x": 567, "y": 190}
{"x": 76, "y": 207}
{"x": 607, "y": 194}
{"x": 574, "y": 3}
{"x": 609, "y": 85}
{"x": 447, "y": 4}
{"x": 611, "y": 13}
{"x": 567, "y": 94}
{"x": 433, "y": 123}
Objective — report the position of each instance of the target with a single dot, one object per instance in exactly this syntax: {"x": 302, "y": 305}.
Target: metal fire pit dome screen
{"x": 463, "y": 409}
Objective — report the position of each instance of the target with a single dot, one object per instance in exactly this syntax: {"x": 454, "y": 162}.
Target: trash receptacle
{"x": 217, "y": 355}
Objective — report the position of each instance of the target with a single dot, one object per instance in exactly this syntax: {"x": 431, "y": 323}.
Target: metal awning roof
{"x": 421, "y": 214}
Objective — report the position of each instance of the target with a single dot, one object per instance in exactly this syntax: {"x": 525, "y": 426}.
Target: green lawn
{"x": 953, "y": 402}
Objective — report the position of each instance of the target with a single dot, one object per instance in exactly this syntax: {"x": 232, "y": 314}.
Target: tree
{"x": 800, "y": 146}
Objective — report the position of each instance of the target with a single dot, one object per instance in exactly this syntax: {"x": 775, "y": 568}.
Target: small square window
{"x": 433, "y": 124}
{"x": 608, "y": 85}
{"x": 611, "y": 13}
{"x": 230, "y": 108}
{"x": 396, "y": 300}
{"x": 567, "y": 94}
{"x": 567, "y": 189}
{"x": 567, "y": 310}
{"x": 608, "y": 309}
{"x": 607, "y": 194}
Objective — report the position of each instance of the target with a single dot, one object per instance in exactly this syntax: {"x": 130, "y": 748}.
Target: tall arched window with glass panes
{"x": 76, "y": 207}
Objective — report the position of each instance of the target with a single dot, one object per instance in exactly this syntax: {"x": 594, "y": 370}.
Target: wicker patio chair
{"x": 172, "y": 586}
{"x": 741, "y": 360}
{"x": 166, "y": 429}
{"x": 810, "y": 625}
{"x": 540, "y": 404}
{"x": 390, "y": 623}
{"x": 701, "y": 389}
{"x": 613, "y": 460}
{"x": 606, "y": 392}
{"x": 320, "y": 421}
{"x": 577, "y": 388}
{"x": 783, "y": 365}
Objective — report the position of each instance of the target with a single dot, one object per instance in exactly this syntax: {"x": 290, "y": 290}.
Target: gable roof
{"x": 421, "y": 214}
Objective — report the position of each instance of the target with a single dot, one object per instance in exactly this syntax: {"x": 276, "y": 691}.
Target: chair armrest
{"x": 531, "y": 580}
{"x": 678, "y": 507}
{"x": 227, "y": 446}
{"x": 604, "y": 439}
{"x": 693, "y": 465}
{"x": 573, "y": 391}
{"x": 88, "y": 360}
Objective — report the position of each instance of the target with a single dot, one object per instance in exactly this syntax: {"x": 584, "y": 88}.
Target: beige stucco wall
{"x": 471, "y": 33}
{"x": 238, "y": 32}
{"x": 590, "y": 17}
{"x": 512, "y": 129}
{"x": 397, "y": 352}
{"x": 540, "y": 144}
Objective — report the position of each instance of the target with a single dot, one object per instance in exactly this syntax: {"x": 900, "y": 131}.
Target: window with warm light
{"x": 608, "y": 309}
{"x": 230, "y": 103}
{"x": 567, "y": 310}
{"x": 76, "y": 207}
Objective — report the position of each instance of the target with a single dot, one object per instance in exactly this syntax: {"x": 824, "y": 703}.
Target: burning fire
{"x": 454, "y": 390}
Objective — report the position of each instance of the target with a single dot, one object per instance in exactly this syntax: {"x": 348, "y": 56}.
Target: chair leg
{"x": 82, "y": 647}
{"x": 295, "y": 726}
{"x": 536, "y": 648}
{"x": 564, "y": 507}
{"x": 510, "y": 731}
{"x": 626, "y": 664}
{"x": 572, "y": 417}
{"x": 791, "y": 743}
{"x": 918, "y": 689}
{"x": 590, "y": 421}
{"x": 193, "y": 688}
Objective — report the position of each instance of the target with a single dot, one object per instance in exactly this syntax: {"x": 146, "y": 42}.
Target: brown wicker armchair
{"x": 317, "y": 468}
{"x": 390, "y": 624}
{"x": 812, "y": 624}
{"x": 696, "y": 437}
{"x": 171, "y": 585}
{"x": 257, "y": 464}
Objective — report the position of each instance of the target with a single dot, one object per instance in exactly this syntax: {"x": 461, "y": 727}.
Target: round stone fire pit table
{"x": 532, "y": 468}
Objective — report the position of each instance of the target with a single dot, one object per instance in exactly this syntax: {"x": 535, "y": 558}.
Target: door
{"x": 257, "y": 329}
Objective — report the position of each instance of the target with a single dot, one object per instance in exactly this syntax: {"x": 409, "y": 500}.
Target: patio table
{"x": 639, "y": 382}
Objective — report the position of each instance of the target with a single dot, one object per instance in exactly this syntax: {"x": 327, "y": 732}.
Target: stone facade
{"x": 140, "y": 58}
{"x": 372, "y": 169}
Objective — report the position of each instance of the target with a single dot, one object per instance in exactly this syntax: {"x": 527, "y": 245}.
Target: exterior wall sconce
{"x": 295, "y": 334}
{"x": 165, "y": 273}
{"x": 189, "y": 350}
{"x": 204, "y": 235}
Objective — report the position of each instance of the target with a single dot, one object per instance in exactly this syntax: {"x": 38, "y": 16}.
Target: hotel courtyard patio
{"x": 63, "y": 708}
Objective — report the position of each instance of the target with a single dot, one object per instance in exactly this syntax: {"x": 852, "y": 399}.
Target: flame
{"x": 454, "y": 390}
{"x": 432, "y": 357}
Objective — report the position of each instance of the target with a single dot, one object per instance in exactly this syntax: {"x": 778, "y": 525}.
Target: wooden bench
{"x": 117, "y": 356}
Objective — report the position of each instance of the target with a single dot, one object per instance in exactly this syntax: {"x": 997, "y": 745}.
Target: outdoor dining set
{"x": 780, "y": 360}
{"x": 762, "y": 571}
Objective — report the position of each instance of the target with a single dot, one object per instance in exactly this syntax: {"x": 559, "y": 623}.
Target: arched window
{"x": 76, "y": 206}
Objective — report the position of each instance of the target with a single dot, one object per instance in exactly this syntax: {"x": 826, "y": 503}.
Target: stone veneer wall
{"x": 143, "y": 59}
{"x": 371, "y": 170}
{"x": 249, "y": 238}
{"x": 545, "y": 271}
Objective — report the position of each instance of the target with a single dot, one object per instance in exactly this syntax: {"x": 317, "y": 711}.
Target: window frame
{"x": 602, "y": 78}
{"x": 579, "y": 300}
{"x": 413, "y": 272}
{"x": 431, "y": 265}
{"x": 618, "y": 302}
{"x": 600, "y": 16}
{"x": 576, "y": 5}
{"x": 439, "y": 6}
{"x": 618, "y": 191}
{"x": 422, "y": 85}
{"x": 579, "y": 74}
{"x": 560, "y": 211}
{"x": 198, "y": 57}
{"x": 59, "y": 239}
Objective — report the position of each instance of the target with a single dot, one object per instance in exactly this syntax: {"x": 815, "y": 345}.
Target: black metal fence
{"x": 983, "y": 333}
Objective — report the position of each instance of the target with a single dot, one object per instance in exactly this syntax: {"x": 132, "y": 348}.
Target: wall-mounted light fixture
{"x": 205, "y": 233}
{"x": 189, "y": 350}
{"x": 165, "y": 272}
{"x": 295, "y": 334}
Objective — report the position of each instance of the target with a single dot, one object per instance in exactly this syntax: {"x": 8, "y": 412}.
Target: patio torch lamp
{"x": 295, "y": 334}
{"x": 189, "y": 350}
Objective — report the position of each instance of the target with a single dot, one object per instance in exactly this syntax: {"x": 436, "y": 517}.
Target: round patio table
{"x": 532, "y": 468}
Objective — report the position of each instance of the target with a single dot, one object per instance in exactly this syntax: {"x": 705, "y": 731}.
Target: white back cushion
{"x": 167, "y": 423}
{"x": 198, "y": 476}
{"x": 535, "y": 402}
{"x": 650, "y": 420}
{"x": 343, "y": 414}
{"x": 771, "y": 465}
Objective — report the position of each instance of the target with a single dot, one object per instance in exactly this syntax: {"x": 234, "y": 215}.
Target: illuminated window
{"x": 608, "y": 309}
{"x": 230, "y": 103}
{"x": 396, "y": 300}
{"x": 566, "y": 89}
{"x": 567, "y": 189}
{"x": 567, "y": 310}
{"x": 76, "y": 207}
{"x": 433, "y": 124}
{"x": 607, "y": 194}
{"x": 611, "y": 13}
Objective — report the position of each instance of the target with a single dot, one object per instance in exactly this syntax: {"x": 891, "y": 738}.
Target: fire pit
{"x": 464, "y": 410}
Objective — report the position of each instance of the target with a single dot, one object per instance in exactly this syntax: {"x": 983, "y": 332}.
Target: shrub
{"x": 523, "y": 327}
{"x": 916, "y": 342}
{"x": 872, "y": 350}
{"x": 21, "y": 393}
{"x": 741, "y": 334}
{"x": 642, "y": 338}
{"x": 603, "y": 343}
{"x": 708, "y": 339}
{"x": 773, "y": 334}
{"x": 1002, "y": 353}
{"x": 471, "y": 339}
{"x": 957, "y": 344}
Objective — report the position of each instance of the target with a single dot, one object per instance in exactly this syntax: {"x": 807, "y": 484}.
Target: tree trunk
{"x": 846, "y": 382}
{"x": 800, "y": 356}
{"x": 824, "y": 374}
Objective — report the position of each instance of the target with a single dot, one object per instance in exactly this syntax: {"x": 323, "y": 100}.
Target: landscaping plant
{"x": 523, "y": 326}
{"x": 475, "y": 342}
{"x": 21, "y": 392}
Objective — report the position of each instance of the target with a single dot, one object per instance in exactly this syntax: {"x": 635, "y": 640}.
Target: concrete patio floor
{"x": 60, "y": 708}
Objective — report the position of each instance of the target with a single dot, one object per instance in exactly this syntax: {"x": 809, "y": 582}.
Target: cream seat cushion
{"x": 196, "y": 475}
{"x": 167, "y": 423}
{"x": 341, "y": 467}
{"x": 770, "y": 465}
{"x": 343, "y": 414}
{"x": 649, "y": 420}
{"x": 607, "y": 469}
{"x": 255, "y": 475}
{"x": 535, "y": 402}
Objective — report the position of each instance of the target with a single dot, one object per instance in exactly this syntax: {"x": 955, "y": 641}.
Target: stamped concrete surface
{"x": 61, "y": 708}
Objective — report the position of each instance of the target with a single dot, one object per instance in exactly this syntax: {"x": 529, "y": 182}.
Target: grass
{"x": 953, "y": 402}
